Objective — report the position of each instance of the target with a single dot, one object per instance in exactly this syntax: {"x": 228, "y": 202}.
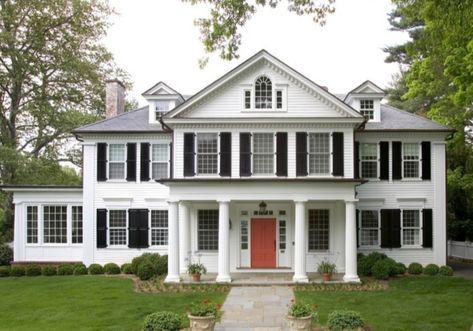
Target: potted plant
{"x": 196, "y": 269}
{"x": 202, "y": 316}
{"x": 300, "y": 317}
{"x": 326, "y": 269}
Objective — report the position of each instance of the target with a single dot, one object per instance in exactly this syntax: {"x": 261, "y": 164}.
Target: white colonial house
{"x": 261, "y": 171}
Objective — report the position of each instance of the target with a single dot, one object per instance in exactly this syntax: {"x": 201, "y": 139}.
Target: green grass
{"x": 84, "y": 303}
{"x": 411, "y": 303}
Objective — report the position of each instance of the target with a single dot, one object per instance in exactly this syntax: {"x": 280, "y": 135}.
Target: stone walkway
{"x": 256, "y": 308}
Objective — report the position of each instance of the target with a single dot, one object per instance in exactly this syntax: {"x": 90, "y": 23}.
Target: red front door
{"x": 263, "y": 243}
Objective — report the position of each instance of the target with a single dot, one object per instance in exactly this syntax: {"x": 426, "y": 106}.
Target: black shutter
{"x": 171, "y": 163}
{"x": 358, "y": 228}
{"x": 144, "y": 164}
{"x": 301, "y": 154}
{"x": 101, "y": 162}
{"x": 427, "y": 234}
{"x": 395, "y": 228}
{"x": 225, "y": 154}
{"x": 397, "y": 160}
{"x": 281, "y": 154}
{"x": 356, "y": 165}
{"x": 131, "y": 162}
{"x": 245, "y": 154}
{"x": 101, "y": 228}
{"x": 385, "y": 228}
{"x": 133, "y": 228}
{"x": 189, "y": 154}
{"x": 337, "y": 155}
{"x": 384, "y": 160}
{"x": 426, "y": 163}
{"x": 143, "y": 228}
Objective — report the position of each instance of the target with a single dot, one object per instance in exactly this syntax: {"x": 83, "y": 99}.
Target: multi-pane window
{"x": 76, "y": 224}
{"x": 263, "y": 93}
{"x": 159, "y": 161}
{"x": 318, "y": 229}
{"x": 410, "y": 227}
{"x": 207, "y": 230}
{"x": 159, "y": 227}
{"x": 282, "y": 234}
{"x": 367, "y": 109}
{"x": 263, "y": 153}
{"x": 319, "y": 153}
{"x": 410, "y": 160}
{"x": 369, "y": 228}
{"x": 32, "y": 224}
{"x": 244, "y": 234}
{"x": 116, "y": 161}
{"x": 117, "y": 227}
{"x": 369, "y": 160}
{"x": 55, "y": 224}
{"x": 279, "y": 99}
{"x": 247, "y": 99}
{"x": 207, "y": 153}
{"x": 161, "y": 107}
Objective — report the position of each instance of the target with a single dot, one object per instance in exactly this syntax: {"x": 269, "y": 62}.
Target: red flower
{"x": 206, "y": 301}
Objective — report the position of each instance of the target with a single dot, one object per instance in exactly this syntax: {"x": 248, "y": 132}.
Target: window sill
{"x": 263, "y": 111}
{"x": 206, "y": 253}
{"x": 411, "y": 180}
{"x": 321, "y": 252}
{"x": 368, "y": 248}
{"x": 117, "y": 181}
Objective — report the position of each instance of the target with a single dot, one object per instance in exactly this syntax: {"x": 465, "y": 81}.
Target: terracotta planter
{"x": 205, "y": 323}
{"x": 299, "y": 323}
{"x": 326, "y": 277}
{"x": 196, "y": 277}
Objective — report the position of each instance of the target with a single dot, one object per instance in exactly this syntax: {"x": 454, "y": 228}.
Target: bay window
{"x": 54, "y": 224}
{"x": 32, "y": 224}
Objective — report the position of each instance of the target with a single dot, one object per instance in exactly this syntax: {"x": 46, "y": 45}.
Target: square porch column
{"x": 184, "y": 236}
{"x": 223, "y": 242}
{"x": 300, "y": 273}
{"x": 351, "y": 274}
{"x": 173, "y": 243}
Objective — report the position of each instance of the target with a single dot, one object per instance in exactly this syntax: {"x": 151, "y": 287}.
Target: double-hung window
{"x": 117, "y": 228}
{"x": 55, "y": 224}
{"x": 319, "y": 153}
{"x": 159, "y": 228}
{"x": 367, "y": 109}
{"x": 410, "y": 160}
{"x": 207, "y": 153}
{"x": 32, "y": 224}
{"x": 77, "y": 224}
{"x": 263, "y": 154}
{"x": 159, "y": 161}
{"x": 116, "y": 161}
{"x": 207, "y": 230}
{"x": 411, "y": 225}
{"x": 247, "y": 99}
{"x": 369, "y": 228}
{"x": 369, "y": 160}
{"x": 319, "y": 224}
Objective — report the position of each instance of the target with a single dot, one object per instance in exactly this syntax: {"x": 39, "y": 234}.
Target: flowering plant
{"x": 204, "y": 308}
{"x": 302, "y": 310}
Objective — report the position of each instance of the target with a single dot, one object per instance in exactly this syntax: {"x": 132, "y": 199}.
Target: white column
{"x": 439, "y": 213}
{"x": 88, "y": 206}
{"x": 300, "y": 274}
{"x": 223, "y": 242}
{"x": 173, "y": 243}
{"x": 351, "y": 274}
{"x": 184, "y": 236}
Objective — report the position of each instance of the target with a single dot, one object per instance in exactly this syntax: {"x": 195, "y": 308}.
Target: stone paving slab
{"x": 256, "y": 308}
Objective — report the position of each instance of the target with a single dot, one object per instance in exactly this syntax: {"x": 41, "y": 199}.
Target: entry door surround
{"x": 263, "y": 242}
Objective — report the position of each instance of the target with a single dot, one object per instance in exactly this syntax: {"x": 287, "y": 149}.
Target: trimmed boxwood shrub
{"x": 366, "y": 263}
{"x": 145, "y": 270}
{"x": 96, "y": 269}
{"x": 6, "y": 254}
{"x": 381, "y": 269}
{"x": 80, "y": 270}
{"x": 445, "y": 270}
{"x": 415, "y": 268}
{"x": 111, "y": 269}
{"x": 17, "y": 271}
{"x": 159, "y": 263}
{"x": 33, "y": 270}
{"x": 339, "y": 320}
{"x": 49, "y": 270}
{"x": 65, "y": 269}
{"x": 4, "y": 271}
{"x": 162, "y": 265}
{"x": 126, "y": 268}
{"x": 162, "y": 321}
{"x": 400, "y": 268}
{"x": 431, "y": 269}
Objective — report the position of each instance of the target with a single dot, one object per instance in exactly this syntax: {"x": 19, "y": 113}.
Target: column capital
{"x": 172, "y": 201}
{"x": 223, "y": 201}
{"x": 351, "y": 200}
{"x": 300, "y": 200}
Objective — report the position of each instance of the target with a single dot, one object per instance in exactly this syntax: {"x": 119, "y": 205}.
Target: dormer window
{"x": 161, "y": 107}
{"x": 367, "y": 109}
{"x": 263, "y": 93}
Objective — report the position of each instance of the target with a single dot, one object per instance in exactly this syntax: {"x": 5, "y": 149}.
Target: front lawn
{"x": 410, "y": 303}
{"x": 84, "y": 303}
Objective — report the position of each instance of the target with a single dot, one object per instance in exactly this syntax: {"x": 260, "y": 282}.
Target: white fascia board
{"x": 40, "y": 189}
{"x": 266, "y": 120}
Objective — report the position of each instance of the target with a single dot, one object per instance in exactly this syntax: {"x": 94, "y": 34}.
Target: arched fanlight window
{"x": 263, "y": 93}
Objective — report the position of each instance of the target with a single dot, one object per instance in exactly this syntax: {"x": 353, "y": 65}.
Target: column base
{"x": 172, "y": 279}
{"x": 351, "y": 279}
{"x": 223, "y": 279}
{"x": 300, "y": 279}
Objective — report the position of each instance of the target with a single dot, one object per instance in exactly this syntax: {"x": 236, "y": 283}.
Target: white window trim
{"x": 275, "y": 87}
{"x": 109, "y": 228}
{"x": 419, "y": 163}
{"x": 151, "y": 230}
{"x": 330, "y": 158}
{"x": 378, "y": 161}
{"x": 361, "y": 228}
{"x": 39, "y": 224}
{"x": 68, "y": 225}
{"x": 151, "y": 179}
{"x": 273, "y": 174}
{"x": 196, "y": 155}
{"x": 124, "y": 162}
{"x": 77, "y": 244}
{"x": 420, "y": 229}
{"x": 330, "y": 230}
{"x": 368, "y": 109}
{"x": 198, "y": 251}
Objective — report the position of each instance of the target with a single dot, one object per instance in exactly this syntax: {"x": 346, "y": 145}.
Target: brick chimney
{"x": 114, "y": 98}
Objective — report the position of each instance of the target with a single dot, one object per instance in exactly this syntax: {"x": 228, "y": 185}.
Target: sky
{"x": 156, "y": 40}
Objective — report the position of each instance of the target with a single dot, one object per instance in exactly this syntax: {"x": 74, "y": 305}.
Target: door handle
{"x": 275, "y": 245}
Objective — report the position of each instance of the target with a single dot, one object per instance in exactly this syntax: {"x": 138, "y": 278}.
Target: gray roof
{"x": 135, "y": 121}
{"x": 394, "y": 119}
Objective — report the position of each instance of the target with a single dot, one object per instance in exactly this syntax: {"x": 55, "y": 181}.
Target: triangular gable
{"x": 263, "y": 55}
{"x": 160, "y": 88}
{"x": 367, "y": 87}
